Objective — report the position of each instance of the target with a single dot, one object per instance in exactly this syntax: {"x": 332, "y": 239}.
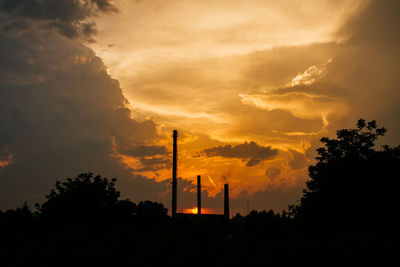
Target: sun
{"x": 193, "y": 210}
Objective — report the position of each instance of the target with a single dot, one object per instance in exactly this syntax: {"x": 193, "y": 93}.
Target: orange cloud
{"x": 5, "y": 159}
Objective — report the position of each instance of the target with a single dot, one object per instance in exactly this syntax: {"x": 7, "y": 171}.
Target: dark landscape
{"x": 199, "y": 133}
{"x": 346, "y": 217}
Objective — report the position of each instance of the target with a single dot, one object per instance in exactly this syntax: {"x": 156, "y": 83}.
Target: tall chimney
{"x": 174, "y": 170}
{"x": 198, "y": 194}
{"x": 226, "y": 202}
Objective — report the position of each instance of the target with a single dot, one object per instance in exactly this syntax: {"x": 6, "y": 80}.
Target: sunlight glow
{"x": 203, "y": 211}
{"x": 231, "y": 70}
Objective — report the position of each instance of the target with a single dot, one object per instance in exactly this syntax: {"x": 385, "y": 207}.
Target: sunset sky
{"x": 251, "y": 86}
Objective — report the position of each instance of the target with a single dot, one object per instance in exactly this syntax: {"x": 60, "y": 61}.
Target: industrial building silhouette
{"x": 199, "y": 215}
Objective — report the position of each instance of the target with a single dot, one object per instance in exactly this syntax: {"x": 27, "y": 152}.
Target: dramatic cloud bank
{"x": 60, "y": 112}
{"x": 279, "y": 73}
{"x": 244, "y": 78}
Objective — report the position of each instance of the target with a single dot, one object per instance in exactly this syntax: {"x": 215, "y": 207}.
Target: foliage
{"x": 353, "y": 191}
{"x": 348, "y": 171}
{"x": 350, "y": 143}
{"x": 86, "y": 197}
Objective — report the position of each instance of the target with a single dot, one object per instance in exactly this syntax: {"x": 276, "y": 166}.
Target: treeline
{"x": 126, "y": 234}
{"x": 346, "y": 217}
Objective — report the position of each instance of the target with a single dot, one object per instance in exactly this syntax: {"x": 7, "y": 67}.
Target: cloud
{"x": 252, "y": 152}
{"x": 209, "y": 94}
{"x": 71, "y": 18}
{"x": 145, "y": 151}
{"x": 298, "y": 160}
{"x": 359, "y": 81}
{"x": 366, "y": 66}
{"x": 154, "y": 164}
{"x": 144, "y": 158}
{"x": 377, "y": 24}
{"x": 310, "y": 75}
{"x": 287, "y": 97}
{"x": 272, "y": 172}
{"x": 5, "y": 159}
{"x": 304, "y": 98}
{"x": 193, "y": 28}
{"x": 62, "y": 114}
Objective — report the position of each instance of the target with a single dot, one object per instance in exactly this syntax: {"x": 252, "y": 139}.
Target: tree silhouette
{"x": 86, "y": 198}
{"x": 93, "y": 199}
{"x": 353, "y": 191}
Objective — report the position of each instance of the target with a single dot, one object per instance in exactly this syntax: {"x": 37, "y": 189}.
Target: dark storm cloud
{"x": 252, "y": 152}
{"x": 62, "y": 114}
{"x": 68, "y": 17}
{"x": 379, "y": 24}
{"x": 4, "y": 156}
{"x": 367, "y": 66}
{"x": 145, "y": 151}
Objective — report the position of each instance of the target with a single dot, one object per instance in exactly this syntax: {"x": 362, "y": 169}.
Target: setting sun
{"x": 193, "y": 210}
{"x": 203, "y": 211}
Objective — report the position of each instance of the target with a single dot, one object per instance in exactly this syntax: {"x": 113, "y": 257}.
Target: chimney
{"x": 226, "y": 202}
{"x": 198, "y": 194}
{"x": 174, "y": 170}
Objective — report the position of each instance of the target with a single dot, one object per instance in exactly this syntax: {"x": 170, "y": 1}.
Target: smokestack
{"x": 198, "y": 194}
{"x": 226, "y": 202}
{"x": 174, "y": 170}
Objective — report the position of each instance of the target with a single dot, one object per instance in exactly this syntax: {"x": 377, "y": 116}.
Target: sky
{"x": 251, "y": 87}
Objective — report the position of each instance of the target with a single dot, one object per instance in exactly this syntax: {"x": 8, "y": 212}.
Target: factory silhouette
{"x": 199, "y": 215}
